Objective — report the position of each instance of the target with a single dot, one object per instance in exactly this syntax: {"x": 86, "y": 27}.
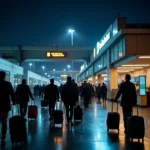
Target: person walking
{"x": 51, "y": 95}
{"x": 70, "y": 98}
{"x": 23, "y": 94}
{"x": 6, "y": 91}
{"x": 104, "y": 93}
{"x": 98, "y": 92}
{"x": 128, "y": 100}
{"x": 86, "y": 94}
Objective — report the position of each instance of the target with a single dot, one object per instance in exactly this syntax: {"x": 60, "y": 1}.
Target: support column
{"x": 112, "y": 82}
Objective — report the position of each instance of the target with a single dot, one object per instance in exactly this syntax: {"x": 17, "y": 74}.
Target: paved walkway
{"x": 91, "y": 134}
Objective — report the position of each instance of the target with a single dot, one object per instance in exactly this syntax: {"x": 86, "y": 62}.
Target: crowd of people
{"x": 68, "y": 93}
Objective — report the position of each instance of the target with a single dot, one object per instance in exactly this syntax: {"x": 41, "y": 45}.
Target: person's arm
{"x": 57, "y": 93}
{"x": 119, "y": 93}
{"x": 30, "y": 94}
{"x": 12, "y": 94}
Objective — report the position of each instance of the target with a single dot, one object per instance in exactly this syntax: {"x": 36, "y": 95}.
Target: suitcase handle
{"x": 31, "y": 102}
{"x": 13, "y": 111}
{"x": 137, "y": 110}
{"x": 112, "y": 106}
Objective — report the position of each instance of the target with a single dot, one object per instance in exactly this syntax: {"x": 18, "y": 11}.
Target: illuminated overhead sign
{"x": 56, "y": 54}
{"x": 103, "y": 42}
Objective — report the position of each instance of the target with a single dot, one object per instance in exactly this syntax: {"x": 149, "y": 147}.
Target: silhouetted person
{"x": 23, "y": 95}
{"x": 69, "y": 97}
{"x": 51, "y": 95}
{"x": 86, "y": 94}
{"x": 98, "y": 91}
{"x": 129, "y": 98}
{"x": 6, "y": 91}
{"x": 104, "y": 93}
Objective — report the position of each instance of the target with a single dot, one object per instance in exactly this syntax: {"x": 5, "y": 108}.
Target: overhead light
{"x": 123, "y": 70}
{"x": 144, "y": 57}
{"x": 63, "y": 81}
{"x": 137, "y": 65}
{"x": 123, "y": 67}
{"x": 63, "y": 75}
{"x": 90, "y": 79}
{"x": 104, "y": 75}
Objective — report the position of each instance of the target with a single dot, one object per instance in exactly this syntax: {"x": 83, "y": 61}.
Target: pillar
{"x": 112, "y": 82}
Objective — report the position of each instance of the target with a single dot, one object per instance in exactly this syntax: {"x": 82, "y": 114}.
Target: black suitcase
{"x": 113, "y": 119}
{"x": 44, "y": 103}
{"x": 136, "y": 127}
{"x": 58, "y": 117}
{"x": 78, "y": 113}
{"x": 17, "y": 126}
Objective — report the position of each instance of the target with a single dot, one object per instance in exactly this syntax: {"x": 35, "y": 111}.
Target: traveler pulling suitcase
{"x": 44, "y": 103}
{"x": 78, "y": 113}
{"x": 113, "y": 119}
{"x": 58, "y": 116}
{"x": 32, "y": 111}
{"x": 136, "y": 127}
{"x": 17, "y": 126}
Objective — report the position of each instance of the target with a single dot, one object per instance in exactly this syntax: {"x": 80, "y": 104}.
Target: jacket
{"x": 128, "y": 92}
{"x": 69, "y": 94}
{"x": 6, "y": 91}
{"x": 23, "y": 93}
{"x": 51, "y": 93}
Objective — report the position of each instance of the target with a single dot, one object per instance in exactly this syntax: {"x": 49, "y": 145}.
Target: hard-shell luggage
{"x": 44, "y": 103}
{"x": 113, "y": 119}
{"x": 136, "y": 127}
{"x": 58, "y": 116}
{"x": 32, "y": 111}
{"x": 17, "y": 126}
{"x": 78, "y": 113}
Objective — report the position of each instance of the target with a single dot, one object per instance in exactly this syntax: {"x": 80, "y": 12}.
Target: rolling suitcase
{"x": 58, "y": 117}
{"x": 136, "y": 127}
{"x": 17, "y": 127}
{"x": 78, "y": 113}
{"x": 44, "y": 103}
{"x": 113, "y": 119}
{"x": 32, "y": 111}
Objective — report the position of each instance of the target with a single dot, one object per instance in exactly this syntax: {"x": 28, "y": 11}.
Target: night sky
{"x": 45, "y": 22}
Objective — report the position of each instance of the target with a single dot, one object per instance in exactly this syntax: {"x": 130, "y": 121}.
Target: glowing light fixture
{"x": 144, "y": 57}
{"x": 63, "y": 75}
{"x": 104, "y": 75}
{"x": 137, "y": 65}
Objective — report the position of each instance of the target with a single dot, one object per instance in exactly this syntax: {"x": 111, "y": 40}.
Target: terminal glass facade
{"x": 117, "y": 50}
{"x": 7, "y": 78}
{"x": 17, "y": 80}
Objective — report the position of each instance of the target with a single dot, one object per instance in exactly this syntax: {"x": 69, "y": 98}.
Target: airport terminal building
{"x": 124, "y": 48}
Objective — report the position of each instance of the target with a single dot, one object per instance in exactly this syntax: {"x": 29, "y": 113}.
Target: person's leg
{"x": 4, "y": 116}
{"x": 50, "y": 111}
{"x": 25, "y": 108}
{"x": 67, "y": 113}
{"x": 53, "y": 109}
{"x": 71, "y": 112}
{"x": 127, "y": 112}
{"x": 21, "y": 109}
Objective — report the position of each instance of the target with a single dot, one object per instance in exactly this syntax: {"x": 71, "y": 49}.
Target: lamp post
{"x": 30, "y": 64}
{"x": 71, "y": 31}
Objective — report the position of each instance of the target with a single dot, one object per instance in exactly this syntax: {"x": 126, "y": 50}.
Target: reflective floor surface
{"x": 90, "y": 134}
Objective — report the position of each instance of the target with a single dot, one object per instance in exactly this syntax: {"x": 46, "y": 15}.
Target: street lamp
{"x": 71, "y": 31}
{"x": 64, "y": 69}
{"x": 30, "y": 64}
{"x": 54, "y": 69}
{"x": 45, "y": 73}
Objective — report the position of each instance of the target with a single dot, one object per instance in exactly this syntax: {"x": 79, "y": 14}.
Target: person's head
{"x": 84, "y": 82}
{"x": 99, "y": 84}
{"x": 24, "y": 81}
{"x": 68, "y": 79}
{"x": 2, "y": 75}
{"x": 127, "y": 77}
{"x": 52, "y": 81}
{"x": 73, "y": 80}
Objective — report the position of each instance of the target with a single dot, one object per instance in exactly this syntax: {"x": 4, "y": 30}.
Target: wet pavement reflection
{"x": 90, "y": 134}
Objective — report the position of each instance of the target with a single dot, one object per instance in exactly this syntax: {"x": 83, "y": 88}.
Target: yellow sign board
{"x": 56, "y": 54}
